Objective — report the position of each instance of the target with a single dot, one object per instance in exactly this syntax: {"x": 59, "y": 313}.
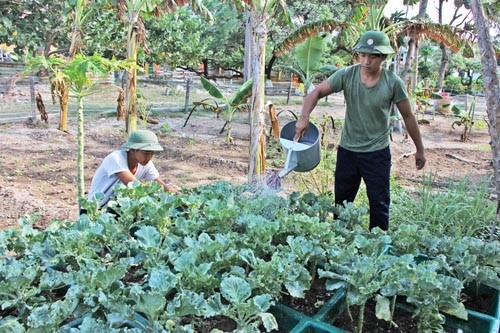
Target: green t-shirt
{"x": 368, "y": 110}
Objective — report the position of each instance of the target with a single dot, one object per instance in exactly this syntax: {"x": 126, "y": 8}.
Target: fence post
{"x": 289, "y": 89}
{"x": 32, "y": 94}
{"x": 188, "y": 89}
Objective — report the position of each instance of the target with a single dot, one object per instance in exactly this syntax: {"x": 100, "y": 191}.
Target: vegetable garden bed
{"x": 219, "y": 258}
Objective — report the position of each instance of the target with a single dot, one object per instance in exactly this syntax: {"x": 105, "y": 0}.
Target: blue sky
{"x": 432, "y": 9}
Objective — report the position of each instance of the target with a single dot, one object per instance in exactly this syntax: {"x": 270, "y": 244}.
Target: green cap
{"x": 374, "y": 42}
{"x": 143, "y": 140}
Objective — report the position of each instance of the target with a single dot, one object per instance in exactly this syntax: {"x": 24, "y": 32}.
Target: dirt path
{"x": 38, "y": 162}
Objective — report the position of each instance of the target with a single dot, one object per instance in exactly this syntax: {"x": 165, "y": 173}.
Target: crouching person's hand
{"x": 171, "y": 188}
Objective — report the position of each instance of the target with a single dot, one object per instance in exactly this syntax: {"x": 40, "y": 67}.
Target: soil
{"x": 314, "y": 299}
{"x": 38, "y": 162}
{"x": 403, "y": 320}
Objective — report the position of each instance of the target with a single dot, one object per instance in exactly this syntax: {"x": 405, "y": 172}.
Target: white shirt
{"x": 105, "y": 179}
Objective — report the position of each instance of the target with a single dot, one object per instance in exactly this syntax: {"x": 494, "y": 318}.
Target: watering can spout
{"x": 287, "y": 170}
{"x": 290, "y": 164}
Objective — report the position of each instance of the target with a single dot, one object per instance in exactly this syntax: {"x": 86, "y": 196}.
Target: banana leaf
{"x": 309, "y": 55}
{"x": 211, "y": 88}
{"x": 241, "y": 94}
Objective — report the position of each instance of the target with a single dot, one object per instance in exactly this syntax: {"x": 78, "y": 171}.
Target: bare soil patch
{"x": 38, "y": 162}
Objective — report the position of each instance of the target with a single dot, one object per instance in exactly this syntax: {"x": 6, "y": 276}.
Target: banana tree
{"x": 232, "y": 104}
{"x": 410, "y": 72}
{"x": 456, "y": 39}
{"x": 370, "y": 17}
{"x": 308, "y": 58}
{"x": 131, "y": 11}
{"x": 260, "y": 13}
{"x": 308, "y": 63}
{"x": 305, "y": 31}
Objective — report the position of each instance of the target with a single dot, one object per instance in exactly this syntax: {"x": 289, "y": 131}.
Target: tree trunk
{"x": 259, "y": 39}
{"x": 205, "y": 67}
{"x": 270, "y": 65}
{"x": 491, "y": 86}
{"x": 63, "y": 91}
{"x": 80, "y": 144}
{"x": 247, "y": 70}
{"x": 76, "y": 36}
{"x": 442, "y": 68}
{"x": 410, "y": 60}
{"x": 411, "y": 64}
{"x": 49, "y": 42}
{"x": 131, "y": 77}
{"x": 63, "y": 105}
{"x": 444, "y": 54}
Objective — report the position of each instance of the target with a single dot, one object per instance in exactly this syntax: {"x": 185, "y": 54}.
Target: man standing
{"x": 364, "y": 153}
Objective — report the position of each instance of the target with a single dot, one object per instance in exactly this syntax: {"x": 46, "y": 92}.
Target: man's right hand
{"x": 301, "y": 128}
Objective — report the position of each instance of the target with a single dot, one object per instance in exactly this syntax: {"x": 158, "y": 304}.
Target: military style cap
{"x": 374, "y": 42}
{"x": 143, "y": 140}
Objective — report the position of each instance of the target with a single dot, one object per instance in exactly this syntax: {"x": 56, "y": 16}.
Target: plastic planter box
{"x": 286, "y": 317}
{"x": 476, "y": 323}
{"x": 293, "y": 321}
{"x": 492, "y": 294}
{"x": 333, "y": 308}
{"x": 314, "y": 326}
{"x": 326, "y": 313}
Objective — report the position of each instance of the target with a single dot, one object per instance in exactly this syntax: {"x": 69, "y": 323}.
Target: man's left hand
{"x": 420, "y": 160}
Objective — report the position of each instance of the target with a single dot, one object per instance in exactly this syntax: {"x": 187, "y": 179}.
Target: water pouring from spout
{"x": 301, "y": 156}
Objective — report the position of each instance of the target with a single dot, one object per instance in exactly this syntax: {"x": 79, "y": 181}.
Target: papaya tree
{"x": 60, "y": 84}
{"x": 76, "y": 74}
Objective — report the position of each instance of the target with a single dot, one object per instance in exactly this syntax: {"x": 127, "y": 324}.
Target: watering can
{"x": 302, "y": 155}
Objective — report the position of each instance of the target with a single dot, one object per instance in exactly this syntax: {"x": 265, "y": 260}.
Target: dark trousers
{"x": 374, "y": 168}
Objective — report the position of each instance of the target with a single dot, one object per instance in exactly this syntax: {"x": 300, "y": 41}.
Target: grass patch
{"x": 462, "y": 209}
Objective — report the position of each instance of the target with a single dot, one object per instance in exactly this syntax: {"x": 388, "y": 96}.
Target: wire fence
{"x": 174, "y": 92}
{"x": 156, "y": 93}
